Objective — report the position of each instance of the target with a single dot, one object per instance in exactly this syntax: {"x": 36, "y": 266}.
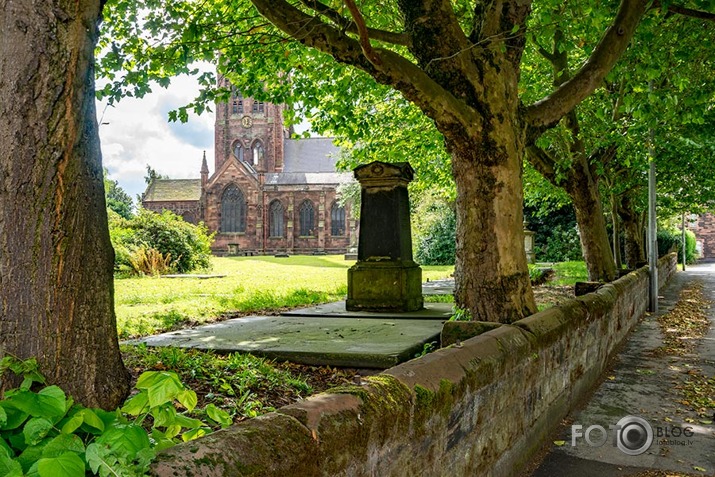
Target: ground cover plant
{"x": 242, "y": 285}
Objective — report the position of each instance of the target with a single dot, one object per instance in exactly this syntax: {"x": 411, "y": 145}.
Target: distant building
{"x": 268, "y": 193}
{"x": 704, "y": 229}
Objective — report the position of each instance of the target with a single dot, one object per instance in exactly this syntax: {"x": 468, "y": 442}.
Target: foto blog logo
{"x": 632, "y": 435}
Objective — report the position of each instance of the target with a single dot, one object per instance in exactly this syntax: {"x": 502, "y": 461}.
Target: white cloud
{"x": 137, "y": 132}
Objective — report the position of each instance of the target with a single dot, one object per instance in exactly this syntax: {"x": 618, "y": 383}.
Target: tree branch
{"x": 542, "y": 162}
{"x": 688, "y": 12}
{"x": 395, "y": 70}
{"x": 362, "y": 33}
{"x": 350, "y": 26}
{"x": 548, "y": 111}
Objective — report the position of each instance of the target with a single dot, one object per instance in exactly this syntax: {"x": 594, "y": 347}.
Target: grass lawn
{"x": 152, "y": 305}
{"x": 567, "y": 273}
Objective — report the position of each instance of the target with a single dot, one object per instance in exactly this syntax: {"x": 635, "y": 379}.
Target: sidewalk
{"x": 643, "y": 385}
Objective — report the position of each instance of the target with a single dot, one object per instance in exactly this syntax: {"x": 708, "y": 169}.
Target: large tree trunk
{"x": 583, "y": 190}
{"x": 56, "y": 260}
{"x": 491, "y": 261}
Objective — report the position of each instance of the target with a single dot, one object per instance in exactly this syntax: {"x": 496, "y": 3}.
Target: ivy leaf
{"x": 68, "y": 464}
{"x": 99, "y": 457}
{"x": 36, "y": 429}
{"x": 193, "y": 434}
{"x": 162, "y": 386}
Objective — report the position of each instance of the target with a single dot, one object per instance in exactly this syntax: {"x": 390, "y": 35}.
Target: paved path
{"x": 645, "y": 386}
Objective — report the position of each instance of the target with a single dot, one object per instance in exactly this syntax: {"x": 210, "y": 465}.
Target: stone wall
{"x": 481, "y": 408}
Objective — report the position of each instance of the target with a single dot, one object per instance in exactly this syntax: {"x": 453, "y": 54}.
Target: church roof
{"x": 315, "y": 154}
{"x": 294, "y": 178}
{"x": 173, "y": 190}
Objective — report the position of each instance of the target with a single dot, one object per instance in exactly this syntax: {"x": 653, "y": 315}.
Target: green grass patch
{"x": 152, "y": 305}
{"x": 568, "y": 273}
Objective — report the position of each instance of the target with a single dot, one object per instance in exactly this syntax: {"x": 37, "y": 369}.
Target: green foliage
{"x": 556, "y": 234}
{"x": 117, "y": 198}
{"x": 151, "y": 243}
{"x": 237, "y": 383}
{"x": 427, "y": 348}
{"x": 460, "y": 314}
{"x": 568, "y": 273}
{"x": 44, "y": 433}
{"x": 435, "y": 232}
{"x": 672, "y": 240}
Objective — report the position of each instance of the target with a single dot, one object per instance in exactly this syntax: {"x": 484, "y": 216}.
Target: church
{"x": 269, "y": 193}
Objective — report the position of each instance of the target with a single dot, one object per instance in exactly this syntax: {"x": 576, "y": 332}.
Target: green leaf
{"x": 162, "y": 386}
{"x": 9, "y": 467}
{"x": 14, "y": 417}
{"x": 164, "y": 415}
{"x": 185, "y": 421}
{"x": 49, "y": 402}
{"x": 36, "y": 429}
{"x": 99, "y": 457}
{"x": 91, "y": 419}
{"x": 138, "y": 404}
{"x": 3, "y": 416}
{"x": 125, "y": 440}
{"x": 218, "y": 415}
{"x": 192, "y": 434}
{"x": 66, "y": 465}
{"x": 62, "y": 444}
{"x": 188, "y": 399}
{"x": 72, "y": 424}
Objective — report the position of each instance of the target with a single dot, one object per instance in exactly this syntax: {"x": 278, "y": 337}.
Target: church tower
{"x": 250, "y": 131}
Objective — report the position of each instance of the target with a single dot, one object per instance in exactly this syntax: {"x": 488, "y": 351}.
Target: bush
{"x": 436, "y": 234}
{"x": 561, "y": 245}
{"x": 152, "y": 243}
{"x": 672, "y": 240}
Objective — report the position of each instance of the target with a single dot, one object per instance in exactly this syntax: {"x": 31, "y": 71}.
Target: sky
{"x": 137, "y": 132}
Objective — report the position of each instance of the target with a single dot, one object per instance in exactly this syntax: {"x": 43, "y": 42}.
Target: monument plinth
{"x": 385, "y": 277}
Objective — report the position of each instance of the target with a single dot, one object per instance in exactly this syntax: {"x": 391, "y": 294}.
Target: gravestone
{"x": 385, "y": 277}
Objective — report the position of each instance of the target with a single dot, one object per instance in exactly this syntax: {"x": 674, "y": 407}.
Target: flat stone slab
{"x": 431, "y": 311}
{"x": 337, "y": 341}
{"x": 438, "y": 287}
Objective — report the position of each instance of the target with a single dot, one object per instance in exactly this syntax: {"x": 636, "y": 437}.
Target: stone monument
{"x": 385, "y": 278}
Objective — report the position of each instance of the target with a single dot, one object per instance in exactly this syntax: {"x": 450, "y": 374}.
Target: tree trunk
{"x": 633, "y": 234}
{"x": 616, "y": 237}
{"x": 583, "y": 190}
{"x": 56, "y": 260}
{"x": 491, "y": 274}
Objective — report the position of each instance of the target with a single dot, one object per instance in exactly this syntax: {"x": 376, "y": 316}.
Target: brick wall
{"x": 480, "y": 409}
{"x": 705, "y": 234}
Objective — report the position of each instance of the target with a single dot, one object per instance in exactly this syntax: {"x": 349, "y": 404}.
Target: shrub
{"x": 151, "y": 243}
{"x": 436, "y": 233}
{"x": 561, "y": 245}
{"x": 669, "y": 240}
{"x": 44, "y": 433}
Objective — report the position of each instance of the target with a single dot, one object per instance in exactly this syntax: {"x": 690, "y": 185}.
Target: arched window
{"x": 275, "y": 218}
{"x": 337, "y": 220}
{"x": 233, "y": 210}
{"x": 307, "y": 218}
{"x": 258, "y": 152}
{"x": 238, "y": 151}
{"x": 236, "y": 102}
{"x": 259, "y": 107}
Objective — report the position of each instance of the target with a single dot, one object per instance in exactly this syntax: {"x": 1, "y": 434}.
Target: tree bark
{"x": 633, "y": 228}
{"x": 616, "y": 235}
{"x": 56, "y": 260}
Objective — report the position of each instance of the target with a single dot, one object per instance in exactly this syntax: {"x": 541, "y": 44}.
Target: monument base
{"x": 391, "y": 286}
